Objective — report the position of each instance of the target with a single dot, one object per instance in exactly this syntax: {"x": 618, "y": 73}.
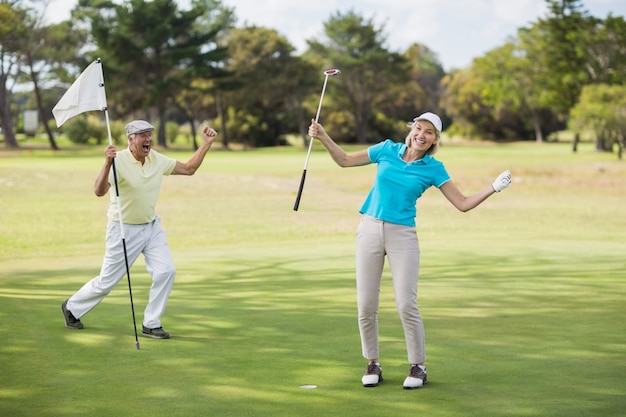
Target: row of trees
{"x": 167, "y": 64}
{"x": 535, "y": 80}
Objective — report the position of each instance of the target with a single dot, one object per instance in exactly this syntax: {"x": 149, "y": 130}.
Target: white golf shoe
{"x": 373, "y": 375}
{"x": 416, "y": 379}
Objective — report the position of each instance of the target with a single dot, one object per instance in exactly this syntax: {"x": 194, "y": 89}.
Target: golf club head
{"x": 334, "y": 71}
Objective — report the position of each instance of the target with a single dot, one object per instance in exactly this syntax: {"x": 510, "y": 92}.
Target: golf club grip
{"x": 297, "y": 204}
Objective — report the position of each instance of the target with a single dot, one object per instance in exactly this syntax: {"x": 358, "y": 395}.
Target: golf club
{"x": 308, "y": 154}
{"x": 119, "y": 209}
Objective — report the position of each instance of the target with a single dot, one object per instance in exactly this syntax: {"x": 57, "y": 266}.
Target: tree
{"x": 197, "y": 100}
{"x": 509, "y": 86}
{"x": 152, "y": 50}
{"x": 426, "y": 72}
{"x": 462, "y": 100}
{"x": 606, "y": 53}
{"x": 9, "y": 66}
{"x": 34, "y": 54}
{"x": 356, "y": 46}
{"x": 532, "y": 81}
{"x": 43, "y": 49}
{"x": 557, "y": 46}
{"x": 421, "y": 92}
{"x": 568, "y": 50}
{"x": 601, "y": 110}
{"x": 273, "y": 84}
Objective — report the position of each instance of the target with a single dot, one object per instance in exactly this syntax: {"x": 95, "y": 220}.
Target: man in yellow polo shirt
{"x": 140, "y": 170}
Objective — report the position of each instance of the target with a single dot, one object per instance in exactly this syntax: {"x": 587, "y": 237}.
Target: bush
{"x": 171, "y": 131}
{"x": 91, "y": 129}
{"x": 84, "y": 129}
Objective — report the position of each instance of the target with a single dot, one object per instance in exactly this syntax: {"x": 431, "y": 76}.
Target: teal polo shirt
{"x": 398, "y": 184}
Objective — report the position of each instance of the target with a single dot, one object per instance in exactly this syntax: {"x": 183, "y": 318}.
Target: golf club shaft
{"x": 308, "y": 154}
{"x": 130, "y": 290}
{"x": 119, "y": 210}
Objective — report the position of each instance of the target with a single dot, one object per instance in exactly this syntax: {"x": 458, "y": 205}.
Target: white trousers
{"x": 375, "y": 240}
{"x": 149, "y": 239}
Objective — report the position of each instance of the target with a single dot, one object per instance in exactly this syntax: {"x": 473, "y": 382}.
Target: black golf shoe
{"x": 157, "y": 333}
{"x": 71, "y": 322}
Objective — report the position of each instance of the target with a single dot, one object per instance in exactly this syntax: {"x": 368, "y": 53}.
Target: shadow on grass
{"x": 505, "y": 337}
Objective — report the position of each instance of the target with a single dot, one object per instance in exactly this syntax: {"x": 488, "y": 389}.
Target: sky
{"x": 455, "y": 30}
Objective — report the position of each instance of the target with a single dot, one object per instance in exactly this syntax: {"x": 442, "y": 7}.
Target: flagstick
{"x": 86, "y": 94}
{"x": 119, "y": 210}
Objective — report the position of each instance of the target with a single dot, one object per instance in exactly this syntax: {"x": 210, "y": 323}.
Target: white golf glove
{"x": 503, "y": 181}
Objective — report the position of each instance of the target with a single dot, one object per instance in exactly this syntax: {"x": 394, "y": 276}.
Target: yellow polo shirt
{"x": 139, "y": 186}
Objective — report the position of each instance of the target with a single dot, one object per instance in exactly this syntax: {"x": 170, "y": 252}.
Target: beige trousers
{"x": 375, "y": 239}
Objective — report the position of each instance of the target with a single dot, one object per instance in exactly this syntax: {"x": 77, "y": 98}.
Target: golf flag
{"x": 86, "y": 94}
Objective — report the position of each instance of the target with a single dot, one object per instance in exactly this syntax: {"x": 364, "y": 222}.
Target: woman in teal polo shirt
{"x": 387, "y": 227}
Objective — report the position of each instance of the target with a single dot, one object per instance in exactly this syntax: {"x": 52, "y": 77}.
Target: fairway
{"x": 522, "y": 298}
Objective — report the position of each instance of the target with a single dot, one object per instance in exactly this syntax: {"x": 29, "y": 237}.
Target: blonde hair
{"x": 434, "y": 147}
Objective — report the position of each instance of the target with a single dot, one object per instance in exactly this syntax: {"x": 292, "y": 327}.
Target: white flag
{"x": 86, "y": 94}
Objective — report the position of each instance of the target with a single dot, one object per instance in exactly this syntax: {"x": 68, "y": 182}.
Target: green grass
{"x": 522, "y": 298}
